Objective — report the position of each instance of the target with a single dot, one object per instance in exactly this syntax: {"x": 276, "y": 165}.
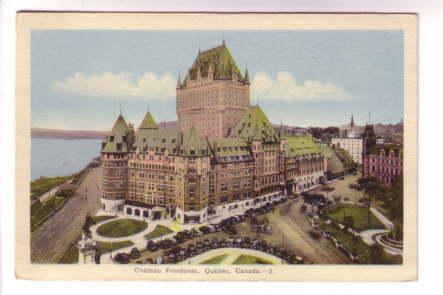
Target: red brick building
{"x": 384, "y": 162}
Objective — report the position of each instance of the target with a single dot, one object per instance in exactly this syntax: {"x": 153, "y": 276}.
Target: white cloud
{"x": 113, "y": 85}
{"x": 286, "y": 88}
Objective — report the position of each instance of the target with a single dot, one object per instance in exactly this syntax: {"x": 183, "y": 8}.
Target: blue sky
{"x": 301, "y": 78}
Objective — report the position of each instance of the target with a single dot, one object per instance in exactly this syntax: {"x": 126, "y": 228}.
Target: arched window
{"x": 129, "y": 211}
{"x": 137, "y": 212}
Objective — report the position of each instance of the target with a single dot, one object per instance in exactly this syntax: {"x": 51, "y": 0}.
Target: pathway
{"x": 232, "y": 255}
{"x": 51, "y": 241}
{"x": 386, "y": 222}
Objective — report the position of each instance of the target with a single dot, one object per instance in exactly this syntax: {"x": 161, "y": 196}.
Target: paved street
{"x": 290, "y": 228}
{"x": 341, "y": 188}
{"x": 50, "y": 242}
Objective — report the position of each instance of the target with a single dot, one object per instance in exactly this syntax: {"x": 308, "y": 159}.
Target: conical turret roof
{"x": 148, "y": 122}
{"x": 117, "y": 141}
{"x": 120, "y": 126}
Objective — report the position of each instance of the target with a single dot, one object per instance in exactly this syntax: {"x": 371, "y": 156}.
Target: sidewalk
{"x": 386, "y": 222}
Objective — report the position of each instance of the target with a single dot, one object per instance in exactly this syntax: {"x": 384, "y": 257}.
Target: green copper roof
{"x": 301, "y": 144}
{"x": 193, "y": 144}
{"x": 254, "y": 125}
{"x": 159, "y": 140}
{"x": 219, "y": 59}
{"x": 230, "y": 149}
{"x": 120, "y": 126}
{"x": 118, "y": 139}
{"x": 148, "y": 122}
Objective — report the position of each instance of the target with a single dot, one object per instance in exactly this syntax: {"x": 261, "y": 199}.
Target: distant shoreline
{"x": 66, "y": 134}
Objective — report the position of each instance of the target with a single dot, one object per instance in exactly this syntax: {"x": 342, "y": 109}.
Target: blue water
{"x": 58, "y": 157}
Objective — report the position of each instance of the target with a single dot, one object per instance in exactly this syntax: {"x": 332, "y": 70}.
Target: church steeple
{"x": 352, "y": 121}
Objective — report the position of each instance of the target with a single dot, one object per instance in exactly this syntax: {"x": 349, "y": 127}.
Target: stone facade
{"x": 214, "y": 95}
{"x": 226, "y": 158}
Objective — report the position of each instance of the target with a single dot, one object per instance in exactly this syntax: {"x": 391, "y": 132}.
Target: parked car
{"x": 135, "y": 253}
{"x": 205, "y": 229}
{"x": 152, "y": 246}
{"x": 122, "y": 258}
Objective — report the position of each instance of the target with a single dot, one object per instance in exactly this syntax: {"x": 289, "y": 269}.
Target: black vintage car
{"x": 135, "y": 253}
{"x": 122, "y": 258}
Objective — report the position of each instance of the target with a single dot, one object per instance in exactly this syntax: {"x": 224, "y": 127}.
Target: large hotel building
{"x": 225, "y": 158}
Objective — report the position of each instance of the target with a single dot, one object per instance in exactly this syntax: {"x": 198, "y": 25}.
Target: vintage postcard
{"x": 174, "y": 146}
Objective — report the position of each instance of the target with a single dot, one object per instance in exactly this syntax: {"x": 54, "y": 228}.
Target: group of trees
{"x": 391, "y": 199}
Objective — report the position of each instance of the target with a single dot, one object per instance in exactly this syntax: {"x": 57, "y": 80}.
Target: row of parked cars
{"x": 339, "y": 245}
{"x": 178, "y": 254}
{"x": 226, "y": 225}
{"x": 124, "y": 258}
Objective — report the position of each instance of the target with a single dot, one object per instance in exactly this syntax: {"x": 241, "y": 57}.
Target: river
{"x": 59, "y": 157}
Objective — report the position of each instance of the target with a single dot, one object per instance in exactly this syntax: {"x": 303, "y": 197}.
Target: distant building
{"x": 350, "y": 130}
{"x": 384, "y": 162}
{"x": 338, "y": 162}
{"x": 354, "y": 146}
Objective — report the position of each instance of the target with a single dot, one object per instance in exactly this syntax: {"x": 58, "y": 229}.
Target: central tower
{"x": 214, "y": 94}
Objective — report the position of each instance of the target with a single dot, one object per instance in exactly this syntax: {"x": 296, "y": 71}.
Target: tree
{"x": 371, "y": 187}
{"x": 356, "y": 188}
{"x": 337, "y": 199}
{"x": 327, "y": 189}
{"x": 393, "y": 203}
{"x": 376, "y": 254}
{"x": 348, "y": 221}
{"x": 89, "y": 221}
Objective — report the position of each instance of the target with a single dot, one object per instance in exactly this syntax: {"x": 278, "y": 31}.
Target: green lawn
{"x": 105, "y": 247}
{"x": 159, "y": 230}
{"x": 215, "y": 259}
{"x": 98, "y": 219}
{"x": 359, "y": 215}
{"x": 44, "y": 184}
{"x": 248, "y": 259}
{"x": 121, "y": 228}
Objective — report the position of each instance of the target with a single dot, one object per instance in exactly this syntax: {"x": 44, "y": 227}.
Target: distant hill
{"x": 82, "y": 134}
{"x": 66, "y": 134}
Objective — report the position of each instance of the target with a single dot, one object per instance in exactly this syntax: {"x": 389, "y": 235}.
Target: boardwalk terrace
{"x": 225, "y": 158}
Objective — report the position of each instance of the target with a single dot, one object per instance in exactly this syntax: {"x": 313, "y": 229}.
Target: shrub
{"x": 314, "y": 235}
{"x": 348, "y": 221}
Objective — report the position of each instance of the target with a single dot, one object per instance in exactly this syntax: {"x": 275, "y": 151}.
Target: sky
{"x": 79, "y": 78}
